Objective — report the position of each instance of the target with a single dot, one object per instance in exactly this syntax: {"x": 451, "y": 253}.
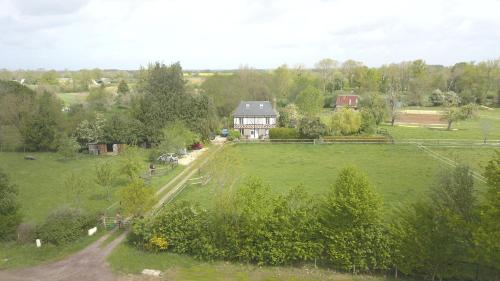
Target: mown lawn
{"x": 126, "y": 259}
{"x": 399, "y": 173}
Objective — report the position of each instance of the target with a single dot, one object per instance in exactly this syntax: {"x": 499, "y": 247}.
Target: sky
{"x": 228, "y": 34}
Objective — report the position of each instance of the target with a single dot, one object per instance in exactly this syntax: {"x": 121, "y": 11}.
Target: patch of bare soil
{"x": 87, "y": 265}
{"x": 420, "y": 118}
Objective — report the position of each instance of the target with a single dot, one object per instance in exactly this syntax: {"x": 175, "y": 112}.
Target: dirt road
{"x": 87, "y": 265}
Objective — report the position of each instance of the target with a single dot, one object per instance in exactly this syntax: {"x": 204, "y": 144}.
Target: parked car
{"x": 196, "y": 146}
{"x": 224, "y": 133}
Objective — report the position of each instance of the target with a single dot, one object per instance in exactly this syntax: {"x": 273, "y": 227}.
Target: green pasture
{"x": 399, "y": 173}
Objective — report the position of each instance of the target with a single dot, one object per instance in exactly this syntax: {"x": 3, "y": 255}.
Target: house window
{"x": 241, "y": 120}
{"x": 267, "y": 120}
{"x": 241, "y": 132}
{"x": 261, "y": 106}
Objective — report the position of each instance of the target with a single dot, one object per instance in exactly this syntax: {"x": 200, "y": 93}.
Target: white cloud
{"x": 225, "y": 34}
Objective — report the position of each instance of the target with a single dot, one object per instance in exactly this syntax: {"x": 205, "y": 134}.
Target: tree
{"x": 130, "y": 163}
{"x": 91, "y": 131}
{"x": 76, "y": 186}
{"x": 99, "y": 99}
{"x": 177, "y": 136}
{"x": 350, "y": 217}
{"x": 104, "y": 176}
{"x": 453, "y": 114}
{"x": 394, "y": 104}
{"x": 123, "y": 88}
{"x": 487, "y": 234}
{"x": 346, "y": 121}
{"x": 10, "y": 217}
{"x": 289, "y": 116}
{"x": 311, "y": 128}
{"x": 375, "y": 105}
{"x": 68, "y": 147}
{"x": 326, "y": 68}
{"x": 137, "y": 199}
{"x": 435, "y": 235}
{"x": 310, "y": 101}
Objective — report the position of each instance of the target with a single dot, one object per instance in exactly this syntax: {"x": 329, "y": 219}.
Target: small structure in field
{"x": 106, "y": 148}
{"x": 253, "y": 119}
{"x": 346, "y": 101}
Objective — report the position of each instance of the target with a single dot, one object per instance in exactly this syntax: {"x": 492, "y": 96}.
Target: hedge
{"x": 283, "y": 133}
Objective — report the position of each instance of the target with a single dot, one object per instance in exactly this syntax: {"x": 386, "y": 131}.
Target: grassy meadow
{"x": 399, "y": 173}
{"x": 42, "y": 187}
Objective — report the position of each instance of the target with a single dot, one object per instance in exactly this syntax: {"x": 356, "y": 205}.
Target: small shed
{"x": 97, "y": 148}
{"x": 350, "y": 101}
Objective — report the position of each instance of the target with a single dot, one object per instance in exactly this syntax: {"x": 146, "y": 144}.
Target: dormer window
{"x": 247, "y": 105}
{"x": 261, "y": 106}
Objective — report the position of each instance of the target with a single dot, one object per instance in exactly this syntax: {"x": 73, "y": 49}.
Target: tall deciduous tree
{"x": 310, "y": 101}
{"x": 346, "y": 122}
{"x": 137, "y": 199}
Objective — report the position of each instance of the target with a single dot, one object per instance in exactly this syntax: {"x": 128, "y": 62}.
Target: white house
{"x": 253, "y": 119}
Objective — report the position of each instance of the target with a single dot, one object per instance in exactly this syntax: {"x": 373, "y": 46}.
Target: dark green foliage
{"x": 434, "y": 236}
{"x": 10, "y": 217}
{"x": 123, "y": 88}
{"x": 311, "y": 128}
{"x": 165, "y": 100}
{"x": 283, "y": 133}
{"x": 120, "y": 128}
{"x": 65, "y": 225}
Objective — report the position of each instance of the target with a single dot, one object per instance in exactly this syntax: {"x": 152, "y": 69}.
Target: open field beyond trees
{"x": 399, "y": 173}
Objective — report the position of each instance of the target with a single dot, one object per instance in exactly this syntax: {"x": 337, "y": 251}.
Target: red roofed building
{"x": 350, "y": 101}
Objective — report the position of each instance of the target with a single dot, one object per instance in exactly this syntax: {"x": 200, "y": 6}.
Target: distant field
{"x": 399, "y": 173}
{"x": 42, "y": 187}
{"x": 73, "y": 98}
{"x": 487, "y": 120}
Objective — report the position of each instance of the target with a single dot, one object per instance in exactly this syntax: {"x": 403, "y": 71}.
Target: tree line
{"x": 451, "y": 234}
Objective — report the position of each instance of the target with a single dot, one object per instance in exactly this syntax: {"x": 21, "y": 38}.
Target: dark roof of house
{"x": 347, "y": 100}
{"x": 255, "y": 108}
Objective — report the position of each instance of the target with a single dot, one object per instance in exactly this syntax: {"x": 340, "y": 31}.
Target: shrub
{"x": 233, "y": 135}
{"x": 283, "y": 133}
{"x": 10, "y": 217}
{"x": 65, "y": 225}
{"x": 346, "y": 122}
{"x": 26, "y": 233}
{"x": 311, "y": 128}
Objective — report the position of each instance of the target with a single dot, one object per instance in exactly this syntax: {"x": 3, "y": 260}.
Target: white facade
{"x": 254, "y": 121}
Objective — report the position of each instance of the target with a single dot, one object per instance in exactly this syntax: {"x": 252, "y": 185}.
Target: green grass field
{"x": 73, "y": 98}
{"x": 42, "y": 188}
{"x": 399, "y": 173}
{"x": 126, "y": 259}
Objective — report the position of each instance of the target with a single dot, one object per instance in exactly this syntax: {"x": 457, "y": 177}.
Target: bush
{"x": 283, "y": 133}
{"x": 26, "y": 233}
{"x": 65, "y": 225}
{"x": 233, "y": 135}
{"x": 10, "y": 216}
{"x": 311, "y": 128}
